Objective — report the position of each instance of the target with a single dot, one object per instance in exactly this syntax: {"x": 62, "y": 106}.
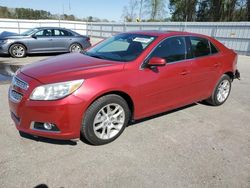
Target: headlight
{"x": 55, "y": 91}
{"x": 7, "y": 41}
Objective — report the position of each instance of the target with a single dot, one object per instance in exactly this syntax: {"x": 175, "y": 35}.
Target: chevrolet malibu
{"x": 126, "y": 77}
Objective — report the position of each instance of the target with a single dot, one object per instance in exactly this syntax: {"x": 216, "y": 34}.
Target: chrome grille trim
{"x": 19, "y": 83}
{"x": 15, "y": 96}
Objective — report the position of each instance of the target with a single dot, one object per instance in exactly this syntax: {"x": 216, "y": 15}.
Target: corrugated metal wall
{"x": 235, "y": 35}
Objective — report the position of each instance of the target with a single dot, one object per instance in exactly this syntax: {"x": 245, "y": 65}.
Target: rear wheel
{"x": 221, "y": 91}
{"x": 17, "y": 50}
{"x": 75, "y": 48}
{"x": 105, "y": 119}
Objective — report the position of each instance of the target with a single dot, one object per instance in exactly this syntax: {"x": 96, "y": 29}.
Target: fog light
{"x": 44, "y": 126}
{"x": 48, "y": 126}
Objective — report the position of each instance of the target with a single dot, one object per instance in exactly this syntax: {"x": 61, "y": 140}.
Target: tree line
{"x": 187, "y": 10}
{"x": 27, "y": 13}
{"x": 153, "y": 11}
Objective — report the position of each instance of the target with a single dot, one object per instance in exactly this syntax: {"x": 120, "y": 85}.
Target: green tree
{"x": 156, "y": 9}
{"x": 248, "y": 10}
{"x": 183, "y": 10}
{"x": 203, "y": 11}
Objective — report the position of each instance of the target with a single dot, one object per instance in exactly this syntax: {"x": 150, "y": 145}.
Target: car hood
{"x": 70, "y": 67}
{"x": 6, "y": 34}
{"x": 15, "y": 37}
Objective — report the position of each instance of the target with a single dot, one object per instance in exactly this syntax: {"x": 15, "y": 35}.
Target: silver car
{"x": 43, "y": 40}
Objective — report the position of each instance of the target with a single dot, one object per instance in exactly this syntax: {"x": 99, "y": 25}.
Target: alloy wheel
{"x": 223, "y": 91}
{"x": 18, "y": 51}
{"x": 109, "y": 121}
{"x": 75, "y": 48}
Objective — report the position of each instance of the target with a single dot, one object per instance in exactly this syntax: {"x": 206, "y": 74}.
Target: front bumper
{"x": 4, "y": 48}
{"x": 66, "y": 113}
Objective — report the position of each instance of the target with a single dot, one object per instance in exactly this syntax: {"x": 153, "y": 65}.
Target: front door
{"x": 42, "y": 41}
{"x": 166, "y": 87}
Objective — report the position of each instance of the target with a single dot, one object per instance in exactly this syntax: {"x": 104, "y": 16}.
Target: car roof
{"x": 162, "y": 33}
{"x": 50, "y": 28}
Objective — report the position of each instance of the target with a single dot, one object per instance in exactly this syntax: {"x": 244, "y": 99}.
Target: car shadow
{"x": 5, "y": 55}
{"x": 48, "y": 140}
{"x": 33, "y": 55}
{"x": 135, "y": 122}
{"x": 46, "y": 54}
{"x": 132, "y": 123}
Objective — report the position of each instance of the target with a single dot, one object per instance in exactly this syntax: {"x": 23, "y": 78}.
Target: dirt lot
{"x": 196, "y": 146}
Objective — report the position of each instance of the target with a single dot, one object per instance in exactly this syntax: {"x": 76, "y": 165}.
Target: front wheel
{"x": 75, "y": 48}
{"x": 105, "y": 119}
{"x": 17, "y": 50}
{"x": 221, "y": 91}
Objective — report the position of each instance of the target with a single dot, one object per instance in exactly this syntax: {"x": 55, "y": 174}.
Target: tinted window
{"x": 172, "y": 49}
{"x": 200, "y": 47}
{"x": 213, "y": 48}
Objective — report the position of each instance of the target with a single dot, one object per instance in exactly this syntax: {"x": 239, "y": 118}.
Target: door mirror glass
{"x": 156, "y": 61}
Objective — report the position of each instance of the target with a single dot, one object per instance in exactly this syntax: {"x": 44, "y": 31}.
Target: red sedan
{"x": 126, "y": 77}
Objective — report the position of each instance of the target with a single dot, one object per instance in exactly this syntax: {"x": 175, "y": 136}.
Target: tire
{"x": 221, "y": 91}
{"x": 101, "y": 126}
{"x": 17, "y": 50}
{"x": 75, "y": 48}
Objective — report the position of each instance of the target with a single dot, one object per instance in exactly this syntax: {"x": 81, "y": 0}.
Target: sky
{"x": 109, "y": 9}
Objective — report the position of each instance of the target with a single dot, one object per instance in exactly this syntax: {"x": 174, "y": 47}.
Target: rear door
{"x": 205, "y": 67}
{"x": 61, "y": 39}
{"x": 167, "y": 87}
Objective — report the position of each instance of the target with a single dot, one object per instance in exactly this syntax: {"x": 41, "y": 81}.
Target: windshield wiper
{"x": 94, "y": 55}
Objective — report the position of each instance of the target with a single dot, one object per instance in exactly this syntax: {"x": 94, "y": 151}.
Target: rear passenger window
{"x": 172, "y": 49}
{"x": 200, "y": 47}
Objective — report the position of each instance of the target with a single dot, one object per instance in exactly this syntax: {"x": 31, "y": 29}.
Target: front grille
{"x": 15, "y": 96}
{"x": 19, "y": 83}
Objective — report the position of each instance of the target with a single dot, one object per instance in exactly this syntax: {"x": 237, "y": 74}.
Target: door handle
{"x": 216, "y": 65}
{"x": 50, "y": 39}
{"x": 184, "y": 72}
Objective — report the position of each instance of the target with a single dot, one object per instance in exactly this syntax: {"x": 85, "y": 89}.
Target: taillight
{"x": 87, "y": 39}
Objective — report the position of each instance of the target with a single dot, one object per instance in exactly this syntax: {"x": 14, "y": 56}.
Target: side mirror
{"x": 156, "y": 61}
{"x": 34, "y": 36}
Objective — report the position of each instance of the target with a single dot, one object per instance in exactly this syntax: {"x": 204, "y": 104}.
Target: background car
{"x": 43, "y": 40}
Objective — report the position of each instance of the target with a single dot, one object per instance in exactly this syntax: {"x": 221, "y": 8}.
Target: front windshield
{"x": 29, "y": 32}
{"x": 122, "y": 47}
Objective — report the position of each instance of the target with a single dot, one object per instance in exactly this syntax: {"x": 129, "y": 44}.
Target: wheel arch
{"x": 230, "y": 74}
{"x": 122, "y": 94}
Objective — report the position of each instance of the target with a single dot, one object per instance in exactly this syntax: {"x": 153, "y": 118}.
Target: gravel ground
{"x": 196, "y": 146}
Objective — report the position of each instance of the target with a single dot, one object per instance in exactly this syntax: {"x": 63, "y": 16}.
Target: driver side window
{"x": 172, "y": 49}
{"x": 44, "y": 33}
